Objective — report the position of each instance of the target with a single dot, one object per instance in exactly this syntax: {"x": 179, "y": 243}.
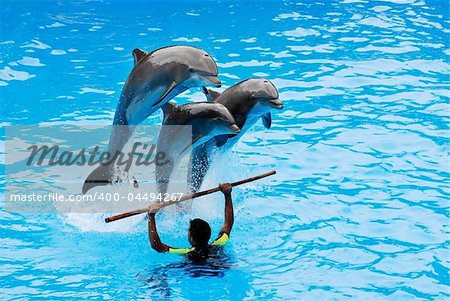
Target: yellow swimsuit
{"x": 221, "y": 240}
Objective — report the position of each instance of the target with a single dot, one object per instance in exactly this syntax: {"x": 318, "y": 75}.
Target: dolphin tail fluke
{"x": 101, "y": 176}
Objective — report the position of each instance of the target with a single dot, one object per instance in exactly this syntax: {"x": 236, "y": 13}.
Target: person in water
{"x": 199, "y": 231}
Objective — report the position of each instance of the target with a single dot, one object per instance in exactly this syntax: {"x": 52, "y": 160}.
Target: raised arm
{"x": 153, "y": 236}
{"x": 229, "y": 214}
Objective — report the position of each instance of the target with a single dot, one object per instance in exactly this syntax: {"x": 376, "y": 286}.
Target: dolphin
{"x": 248, "y": 101}
{"x": 157, "y": 77}
{"x": 206, "y": 121}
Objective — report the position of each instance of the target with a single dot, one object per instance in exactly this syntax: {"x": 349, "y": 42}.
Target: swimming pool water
{"x": 359, "y": 207}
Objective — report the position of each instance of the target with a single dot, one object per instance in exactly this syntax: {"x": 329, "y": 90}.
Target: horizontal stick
{"x": 187, "y": 197}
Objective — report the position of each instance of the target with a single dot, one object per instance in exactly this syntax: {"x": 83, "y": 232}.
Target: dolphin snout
{"x": 235, "y": 128}
{"x": 214, "y": 80}
{"x": 276, "y": 103}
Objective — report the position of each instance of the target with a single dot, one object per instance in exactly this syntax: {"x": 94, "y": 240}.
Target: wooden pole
{"x": 187, "y": 197}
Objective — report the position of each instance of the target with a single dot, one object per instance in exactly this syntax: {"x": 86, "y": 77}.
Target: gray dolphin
{"x": 156, "y": 78}
{"x": 206, "y": 119}
{"x": 248, "y": 101}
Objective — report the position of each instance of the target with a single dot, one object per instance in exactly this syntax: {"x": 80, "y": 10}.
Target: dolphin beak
{"x": 276, "y": 103}
{"x": 235, "y": 128}
{"x": 214, "y": 80}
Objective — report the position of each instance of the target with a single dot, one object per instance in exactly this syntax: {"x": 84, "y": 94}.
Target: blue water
{"x": 359, "y": 207}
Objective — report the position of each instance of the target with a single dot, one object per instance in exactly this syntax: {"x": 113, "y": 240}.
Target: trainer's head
{"x": 199, "y": 233}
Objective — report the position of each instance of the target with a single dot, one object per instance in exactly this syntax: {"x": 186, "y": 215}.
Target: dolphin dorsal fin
{"x": 138, "y": 55}
{"x": 214, "y": 95}
{"x": 211, "y": 95}
{"x": 168, "y": 108}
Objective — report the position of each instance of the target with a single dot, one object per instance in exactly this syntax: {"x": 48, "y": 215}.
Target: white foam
{"x": 225, "y": 168}
{"x": 88, "y": 222}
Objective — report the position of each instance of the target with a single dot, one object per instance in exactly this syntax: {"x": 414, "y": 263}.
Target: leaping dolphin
{"x": 156, "y": 78}
{"x": 207, "y": 120}
{"x": 248, "y": 101}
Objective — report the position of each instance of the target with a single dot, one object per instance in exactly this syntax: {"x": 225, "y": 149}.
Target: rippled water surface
{"x": 359, "y": 207}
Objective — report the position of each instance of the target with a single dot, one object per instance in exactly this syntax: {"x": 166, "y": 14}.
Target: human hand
{"x": 153, "y": 208}
{"x": 226, "y": 188}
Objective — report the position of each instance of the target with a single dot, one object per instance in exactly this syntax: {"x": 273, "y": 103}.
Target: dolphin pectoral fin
{"x": 101, "y": 176}
{"x": 206, "y": 92}
{"x": 221, "y": 140}
{"x": 168, "y": 90}
{"x": 138, "y": 55}
{"x": 199, "y": 135}
{"x": 267, "y": 120}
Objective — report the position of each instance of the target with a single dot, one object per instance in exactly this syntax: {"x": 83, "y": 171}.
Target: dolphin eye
{"x": 207, "y": 55}
{"x": 266, "y": 81}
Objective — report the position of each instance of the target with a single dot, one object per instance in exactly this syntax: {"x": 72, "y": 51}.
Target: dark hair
{"x": 200, "y": 232}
